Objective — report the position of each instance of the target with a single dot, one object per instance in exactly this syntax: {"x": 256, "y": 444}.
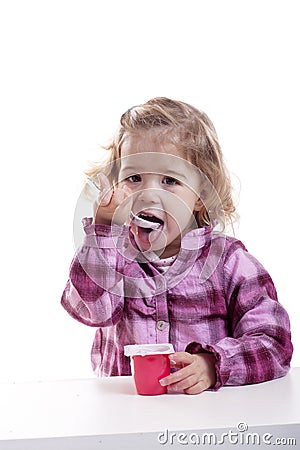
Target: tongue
{"x": 144, "y": 235}
{"x": 147, "y": 237}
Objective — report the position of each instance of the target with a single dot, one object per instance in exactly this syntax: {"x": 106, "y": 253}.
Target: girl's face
{"x": 164, "y": 188}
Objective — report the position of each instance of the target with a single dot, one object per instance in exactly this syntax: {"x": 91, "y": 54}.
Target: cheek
{"x": 133, "y": 187}
{"x": 181, "y": 206}
{"x": 180, "y": 213}
{"x": 178, "y": 221}
{"x": 191, "y": 200}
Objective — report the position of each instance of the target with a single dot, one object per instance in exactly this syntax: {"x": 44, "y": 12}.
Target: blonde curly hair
{"x": 192, "y": 132}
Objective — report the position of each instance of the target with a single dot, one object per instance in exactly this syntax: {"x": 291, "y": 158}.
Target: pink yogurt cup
{"x": 149, "y": 364}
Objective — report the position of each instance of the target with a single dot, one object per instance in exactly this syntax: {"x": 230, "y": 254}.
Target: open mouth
{"x": 146, "y": 221}
{"x": 147, "y": 229}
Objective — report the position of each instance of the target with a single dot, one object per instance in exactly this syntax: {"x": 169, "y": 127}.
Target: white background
{"x": 68, "y": 71}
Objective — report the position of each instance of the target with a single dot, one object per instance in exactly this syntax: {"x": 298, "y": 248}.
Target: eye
{"x": 134, "y": 179}
{"x": 170, "y": 181}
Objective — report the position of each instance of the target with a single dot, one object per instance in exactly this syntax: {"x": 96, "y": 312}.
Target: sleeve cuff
{"x": 99, "y": 229}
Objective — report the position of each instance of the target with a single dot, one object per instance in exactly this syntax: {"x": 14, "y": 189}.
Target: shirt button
{"x": 161, "y": 325}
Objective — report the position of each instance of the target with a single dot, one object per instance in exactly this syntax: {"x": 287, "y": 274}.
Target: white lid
{"x": 148, "y": 349}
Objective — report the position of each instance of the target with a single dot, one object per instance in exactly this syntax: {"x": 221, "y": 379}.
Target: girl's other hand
{"x": 109, "y": 200}
{"x": 196, "y": 373}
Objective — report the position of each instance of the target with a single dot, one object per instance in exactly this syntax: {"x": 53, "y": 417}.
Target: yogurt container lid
{"x": 148, "y": 349}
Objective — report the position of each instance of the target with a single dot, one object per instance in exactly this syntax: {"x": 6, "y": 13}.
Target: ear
{"x": 199, "y": 206}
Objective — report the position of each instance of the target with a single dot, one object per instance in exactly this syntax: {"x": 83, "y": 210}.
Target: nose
{"x": 149, "y": 195}
{"x": 150, "y": 189}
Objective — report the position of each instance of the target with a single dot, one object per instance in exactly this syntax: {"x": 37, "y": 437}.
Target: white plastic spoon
{"x": 143, "y": 222}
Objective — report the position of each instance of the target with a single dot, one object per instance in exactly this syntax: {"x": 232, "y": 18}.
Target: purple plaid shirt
{"x": 215, "y": 297}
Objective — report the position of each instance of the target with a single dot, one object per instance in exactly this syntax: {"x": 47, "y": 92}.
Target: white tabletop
{"x": 107, "y": 413}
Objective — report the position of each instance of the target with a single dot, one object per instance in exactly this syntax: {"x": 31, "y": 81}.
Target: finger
{"x": 120, "y": 206}
{"x": 118, "y": 197}
{"x": 185, "y": 362}
{"x": 173, "y": 363}
{"x": 103, "y": 181}
{"x": 184, "y": 384}
{"x": 178, "y": 376}
{"x": 197, "y": 388}
{"x": 106, "y": 190}
{"x": 105, "y": 197}
{"x": 182, "y": 358}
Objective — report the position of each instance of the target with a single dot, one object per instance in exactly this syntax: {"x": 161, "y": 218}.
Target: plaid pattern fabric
{"x": 215, "y": 297}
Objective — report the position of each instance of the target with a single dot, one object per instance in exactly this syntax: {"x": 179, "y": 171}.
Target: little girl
{"x": 156, "y": 266}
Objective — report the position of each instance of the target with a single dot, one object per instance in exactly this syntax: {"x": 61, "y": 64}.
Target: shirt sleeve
{"x": 259, "y": 346}
{"x": 94, "y": 292}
